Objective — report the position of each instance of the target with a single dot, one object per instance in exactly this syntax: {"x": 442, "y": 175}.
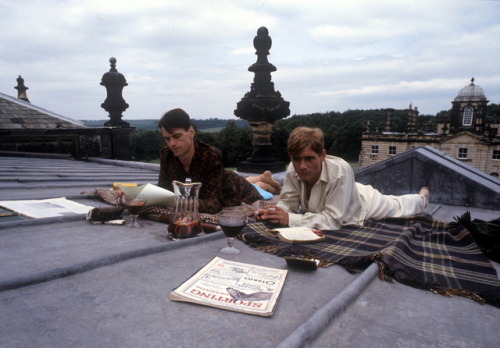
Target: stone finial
{"x": 112, "y": 62}
{"x": 261, "y": 107}
{"x": 262, "y": 102}
{"x": 21, "y": 89}
{"x": 114, "y": 103}
{"x": 262, "y": 43}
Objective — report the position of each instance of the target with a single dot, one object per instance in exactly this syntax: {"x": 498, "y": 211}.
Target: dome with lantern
{"x": 471, "y": 92}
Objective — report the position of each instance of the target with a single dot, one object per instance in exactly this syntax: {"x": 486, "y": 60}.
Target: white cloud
{"x": 330, "y": 55}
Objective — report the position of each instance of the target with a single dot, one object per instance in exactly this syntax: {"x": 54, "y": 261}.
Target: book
{"x": 116, "y": 185}
{"x": 233, "y": 286}
{"x": 295, "y": 235}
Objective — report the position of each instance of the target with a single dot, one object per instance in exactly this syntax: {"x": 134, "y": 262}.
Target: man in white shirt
{"x": 319, "y": 190}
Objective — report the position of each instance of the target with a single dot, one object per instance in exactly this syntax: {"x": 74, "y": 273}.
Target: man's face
{"x": 179, "y": 141}
{"x": 307, "y": 165}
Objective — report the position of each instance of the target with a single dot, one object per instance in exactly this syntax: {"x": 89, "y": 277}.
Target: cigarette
{"x": 271, "y": 209}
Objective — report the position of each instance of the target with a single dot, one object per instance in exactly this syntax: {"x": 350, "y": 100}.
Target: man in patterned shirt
{"x": 184, "y": 157}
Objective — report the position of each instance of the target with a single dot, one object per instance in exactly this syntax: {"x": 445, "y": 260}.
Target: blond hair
{"x": 303, "y": 137}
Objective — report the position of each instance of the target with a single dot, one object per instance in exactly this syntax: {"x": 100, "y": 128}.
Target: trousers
{"x": 378, "y": 206}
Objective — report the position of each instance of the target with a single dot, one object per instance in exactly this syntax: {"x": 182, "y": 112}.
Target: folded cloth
{"x": 418, "y": 251}
{"x": 266, "y": 195}
{"x": 485, "y": 233}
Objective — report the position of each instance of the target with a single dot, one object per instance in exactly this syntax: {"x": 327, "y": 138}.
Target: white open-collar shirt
{"x": 334, "y": 200}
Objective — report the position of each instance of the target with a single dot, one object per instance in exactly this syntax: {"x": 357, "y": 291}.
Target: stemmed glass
{"x": 232, "y": 223}
{"x": 134, "y": 206}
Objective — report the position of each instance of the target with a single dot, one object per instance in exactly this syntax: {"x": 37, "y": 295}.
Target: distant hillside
{"x": 210, "y": 125}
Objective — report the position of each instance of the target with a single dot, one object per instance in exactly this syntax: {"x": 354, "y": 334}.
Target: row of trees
{"x": 150, "y": 124}
{"x": 342, "y": 133}
{"x": 235, "y": 142}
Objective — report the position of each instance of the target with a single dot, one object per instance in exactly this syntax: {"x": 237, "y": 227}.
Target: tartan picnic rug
{"x": 419, "y": 251}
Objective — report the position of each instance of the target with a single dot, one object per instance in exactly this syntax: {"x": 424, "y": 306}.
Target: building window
{"x": 496, "y": 155}
{"x": 374, "y": 149}
{"x": 462, "y": 153}
{"x": 468, "y": 116}
{"x": 392, "y": 150}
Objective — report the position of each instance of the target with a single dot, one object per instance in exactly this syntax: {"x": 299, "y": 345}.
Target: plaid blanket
{"x": 418, "y": 251}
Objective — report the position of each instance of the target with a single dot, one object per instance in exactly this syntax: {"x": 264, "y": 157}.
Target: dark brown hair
{"x": 175, "y": 118}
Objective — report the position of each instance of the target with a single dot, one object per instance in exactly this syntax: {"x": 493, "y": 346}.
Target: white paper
{"x": 154, "y": 195}
{"x": 46, "y": 207}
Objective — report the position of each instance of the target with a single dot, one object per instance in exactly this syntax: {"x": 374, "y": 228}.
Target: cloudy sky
{"x": 330, "y": 55}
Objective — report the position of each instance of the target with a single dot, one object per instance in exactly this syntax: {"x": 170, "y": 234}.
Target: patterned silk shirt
{"x": 220, "y": 188}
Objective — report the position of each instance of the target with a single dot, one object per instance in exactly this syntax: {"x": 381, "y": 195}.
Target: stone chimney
{"x": 21, "y": 89}
{"x": 389, "y": 115}
{"x": 412, "y": 119}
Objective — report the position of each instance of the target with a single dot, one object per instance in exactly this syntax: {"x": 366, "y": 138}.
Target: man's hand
{"x": 273, "y": 214}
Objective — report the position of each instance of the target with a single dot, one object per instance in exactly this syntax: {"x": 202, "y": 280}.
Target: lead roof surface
{"x": 19, "y": 114}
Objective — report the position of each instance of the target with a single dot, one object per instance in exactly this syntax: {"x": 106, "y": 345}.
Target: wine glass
{"x": 232, "y": 223}
{"x": 134, "y": 206}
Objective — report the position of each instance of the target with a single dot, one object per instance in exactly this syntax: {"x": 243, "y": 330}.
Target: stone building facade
{"x": 466, "y": 136}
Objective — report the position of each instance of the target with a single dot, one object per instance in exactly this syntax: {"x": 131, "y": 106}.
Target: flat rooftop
{"x": 65, "y": 282}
